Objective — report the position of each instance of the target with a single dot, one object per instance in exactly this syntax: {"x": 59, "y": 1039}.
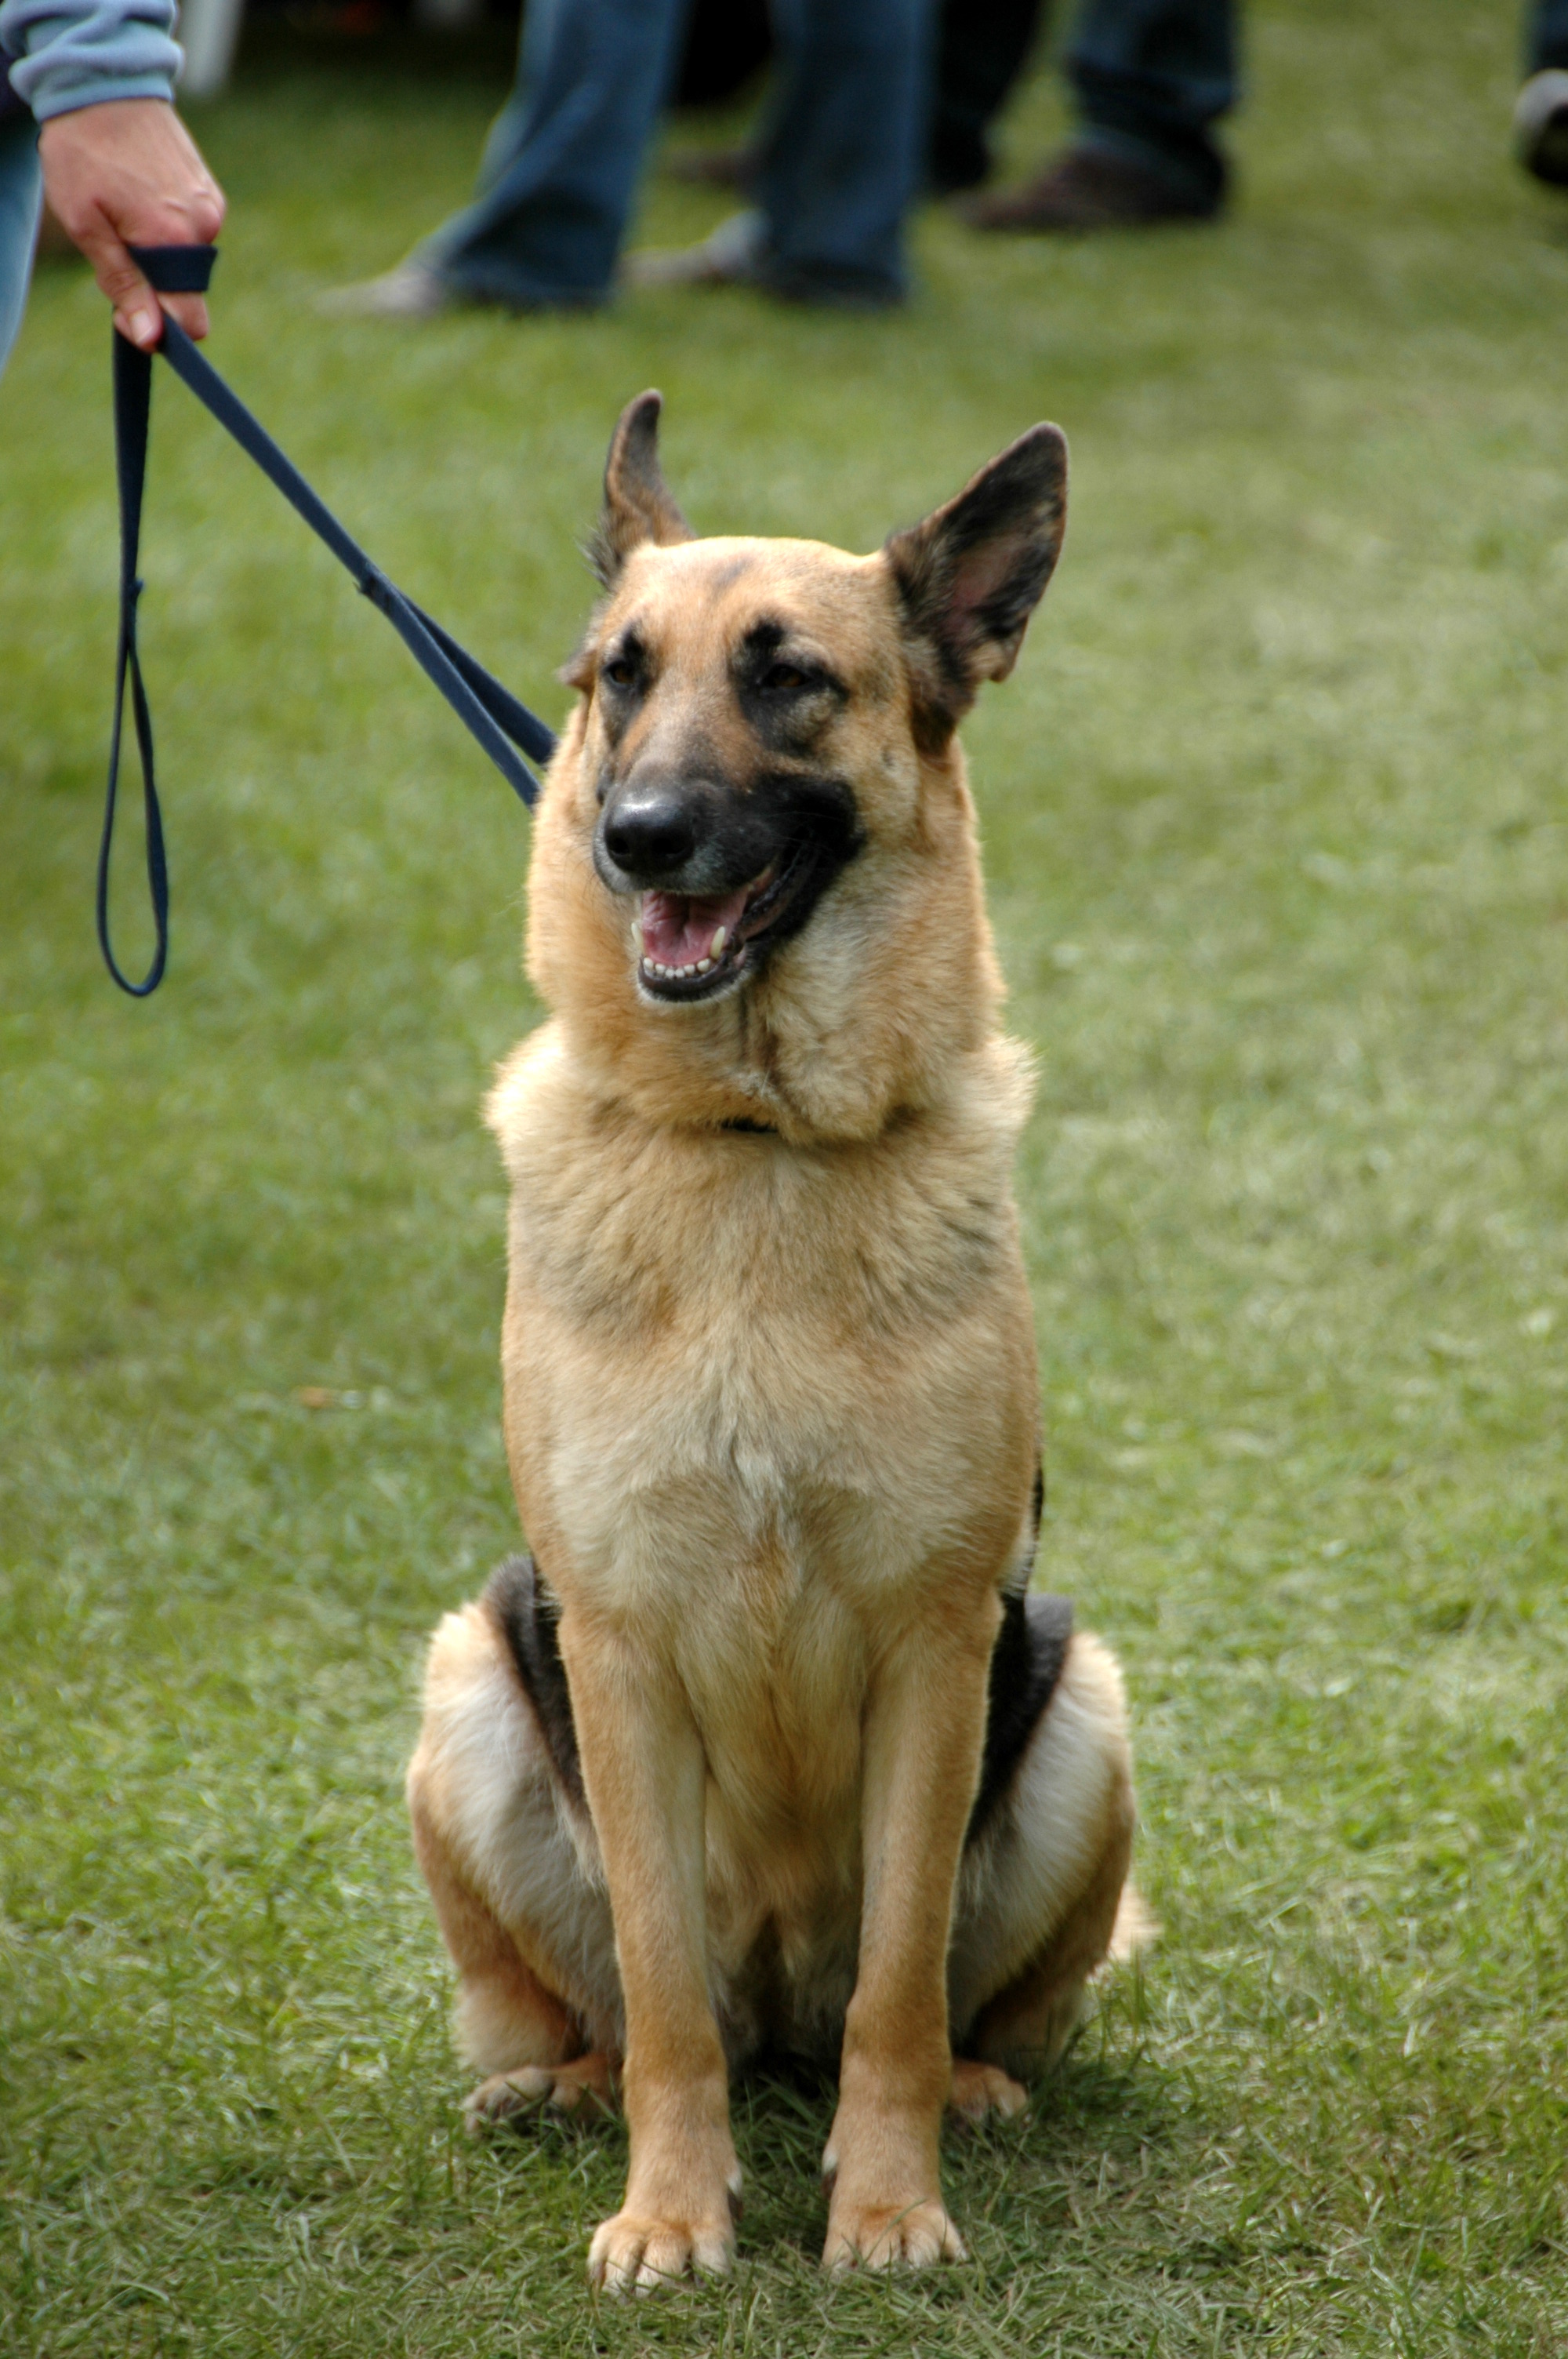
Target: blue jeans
{"x": 1546, "y": 36}
{"x": 1150, "y": 77}
{"x": 842, "y": 154}
{"x": 21, "y": 196}
{"x": 843, "y": 150}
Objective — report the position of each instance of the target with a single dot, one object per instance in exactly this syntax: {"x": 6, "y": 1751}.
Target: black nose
{"x": 652, "y": 833}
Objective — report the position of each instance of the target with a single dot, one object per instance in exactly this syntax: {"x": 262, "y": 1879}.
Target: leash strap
{"x": 502, "y": 723}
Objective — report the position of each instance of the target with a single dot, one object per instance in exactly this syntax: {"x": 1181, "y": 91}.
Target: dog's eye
{"x": 786, "y": 677}
{"x": 619, "y": 671}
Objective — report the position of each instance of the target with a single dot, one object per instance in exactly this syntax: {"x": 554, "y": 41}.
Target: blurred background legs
{"x": 839, "y": 160}
{"x": 983, "y": 46}
{"x": 842, "y": 155}
{"x": 559, "y": 170}
{"x": 836, "y": 163}
{"x": 561, "y": 165}
{"x": 1150, "y": 79}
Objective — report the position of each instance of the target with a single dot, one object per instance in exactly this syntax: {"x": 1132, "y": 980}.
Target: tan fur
{"x": 771, "y": 1412}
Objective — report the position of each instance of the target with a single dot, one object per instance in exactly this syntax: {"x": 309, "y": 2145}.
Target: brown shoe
{"x": 1089, "y": 189}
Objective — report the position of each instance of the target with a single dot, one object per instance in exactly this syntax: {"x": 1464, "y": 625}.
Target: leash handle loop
{"x": 133, "y": 404}
{"x": 176, "y": 269}
{"x": 501, "y": 722}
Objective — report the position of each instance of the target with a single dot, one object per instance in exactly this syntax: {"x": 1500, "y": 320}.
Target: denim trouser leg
{"x": 844, "y": 150}
{"x": 21, "y": 196}
{"x": 560, "y": 168}
{"x": 1546, "y": 35}
{"x": 1150, "y": 76}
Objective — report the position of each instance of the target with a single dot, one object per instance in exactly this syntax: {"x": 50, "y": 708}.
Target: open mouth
{"x": 694, "y": 945}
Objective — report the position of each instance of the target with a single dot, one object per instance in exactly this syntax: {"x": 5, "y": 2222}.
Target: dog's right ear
{"x": 637, "y": 506}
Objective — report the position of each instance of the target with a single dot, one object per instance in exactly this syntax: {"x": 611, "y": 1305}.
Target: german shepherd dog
{"x": 767, "y": 1745}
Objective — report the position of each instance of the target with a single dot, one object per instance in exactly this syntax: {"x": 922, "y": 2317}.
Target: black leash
{"x": 494, "y": 715}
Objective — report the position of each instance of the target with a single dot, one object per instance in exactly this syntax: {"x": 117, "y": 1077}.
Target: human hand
{"x": 129, "y": 173}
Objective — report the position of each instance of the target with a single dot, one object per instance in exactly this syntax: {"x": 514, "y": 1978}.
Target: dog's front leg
{"x": 645, "y": 1776}
{"x": 924, "y": 1726}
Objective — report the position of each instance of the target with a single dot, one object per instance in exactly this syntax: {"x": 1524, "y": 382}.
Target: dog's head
{"x": 756, "y": 844}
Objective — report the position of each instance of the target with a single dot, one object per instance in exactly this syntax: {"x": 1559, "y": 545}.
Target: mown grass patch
{"x": 1275, "y": 828}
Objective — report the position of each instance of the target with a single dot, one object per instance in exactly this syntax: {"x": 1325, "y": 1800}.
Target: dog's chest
{"x": 752, "y": 1383}
{"x": 753, "y": 1396}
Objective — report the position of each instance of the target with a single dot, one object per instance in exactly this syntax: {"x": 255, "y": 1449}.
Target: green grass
{"x": 1278, "y": 857}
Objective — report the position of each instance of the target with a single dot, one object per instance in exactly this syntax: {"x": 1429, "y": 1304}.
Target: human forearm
{"x": 65, "y": 57}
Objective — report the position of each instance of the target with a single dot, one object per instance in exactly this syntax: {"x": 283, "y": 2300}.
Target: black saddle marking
{"x": 529, "y": 1615}
{"x": 1026, "y": 1664}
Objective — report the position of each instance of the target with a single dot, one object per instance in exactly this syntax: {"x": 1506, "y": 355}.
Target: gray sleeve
{"x": 69, "y": 55}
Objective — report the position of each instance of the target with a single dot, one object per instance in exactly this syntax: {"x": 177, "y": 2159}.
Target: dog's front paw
{"x": 585, "y": 2087}
{"x": 636, "y": 2253}
{"x": 880, "y": 2166}
{"x": 913, "y": 2235}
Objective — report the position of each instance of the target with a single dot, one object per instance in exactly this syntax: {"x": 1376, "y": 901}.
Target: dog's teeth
{"x": 637, "y": 933}
{"x": 716, "y": 947}
{"x": 704, "y": 966}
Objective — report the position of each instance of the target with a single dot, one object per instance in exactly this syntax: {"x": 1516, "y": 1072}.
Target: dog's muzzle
{"x": 720, "y": 875}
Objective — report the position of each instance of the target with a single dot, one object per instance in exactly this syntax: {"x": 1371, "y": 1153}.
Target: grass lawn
{"x": 1279, "y": 855}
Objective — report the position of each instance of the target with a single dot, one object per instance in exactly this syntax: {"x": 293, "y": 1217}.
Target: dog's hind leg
{"x": 511, "y": 1873}
{"x": 1043, "y": 1894}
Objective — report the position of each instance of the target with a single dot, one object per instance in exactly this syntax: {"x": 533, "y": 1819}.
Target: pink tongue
{"x": 678, "y": 928}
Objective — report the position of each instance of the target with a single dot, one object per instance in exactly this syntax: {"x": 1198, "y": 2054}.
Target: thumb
{"x": 137, "y": 313}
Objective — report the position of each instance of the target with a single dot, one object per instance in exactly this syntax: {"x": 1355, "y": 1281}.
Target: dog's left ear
{"x": 971, "y": 575}
{"x": 637, "y": 506}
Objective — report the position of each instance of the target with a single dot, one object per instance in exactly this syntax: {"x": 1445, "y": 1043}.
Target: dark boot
{"x": 1090, "y": 189}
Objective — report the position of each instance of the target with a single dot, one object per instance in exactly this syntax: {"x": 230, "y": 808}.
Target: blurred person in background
{"x": 87, "y": 119}
{"x": 838, "y": 167}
